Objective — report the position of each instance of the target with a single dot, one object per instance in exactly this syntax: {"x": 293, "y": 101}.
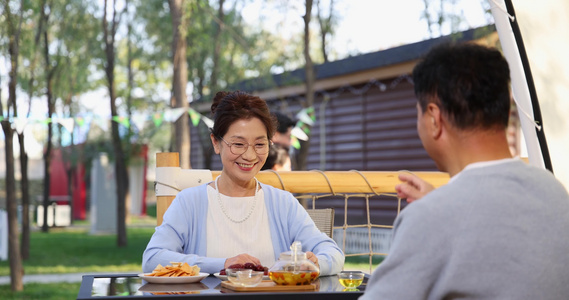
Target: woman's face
{"x": 242, "y": 167}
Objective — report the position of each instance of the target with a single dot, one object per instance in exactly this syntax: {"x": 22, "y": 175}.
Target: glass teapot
{"x": 293, "y": 268}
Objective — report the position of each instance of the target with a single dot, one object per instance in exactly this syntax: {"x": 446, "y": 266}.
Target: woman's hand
{"x": 312, "y": 257}
{"x": 241, "y": 259}
{"x": 413, "y": 187}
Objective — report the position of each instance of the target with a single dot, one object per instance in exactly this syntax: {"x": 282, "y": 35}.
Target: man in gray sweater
{"x": 499, "y": 228}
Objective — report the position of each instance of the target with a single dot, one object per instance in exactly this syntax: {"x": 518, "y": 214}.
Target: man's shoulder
{"x": 525, "y": 175}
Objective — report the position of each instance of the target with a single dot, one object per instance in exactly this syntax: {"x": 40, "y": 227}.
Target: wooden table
{"x": 121, "y": 286}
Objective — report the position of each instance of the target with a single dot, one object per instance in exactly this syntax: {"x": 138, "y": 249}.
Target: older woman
{"x": 237, "y": 219}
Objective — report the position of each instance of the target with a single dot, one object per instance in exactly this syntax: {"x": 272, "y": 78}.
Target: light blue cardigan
{"x": 182, "y": 235}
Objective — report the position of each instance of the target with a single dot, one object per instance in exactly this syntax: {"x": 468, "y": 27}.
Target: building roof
{"x": 368, "y": 61}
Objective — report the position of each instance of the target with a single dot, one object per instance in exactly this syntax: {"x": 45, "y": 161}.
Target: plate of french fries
{"x": 175, "y": 272}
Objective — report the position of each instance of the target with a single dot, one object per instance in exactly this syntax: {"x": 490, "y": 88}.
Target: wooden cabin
{"x": 365, "y": 112}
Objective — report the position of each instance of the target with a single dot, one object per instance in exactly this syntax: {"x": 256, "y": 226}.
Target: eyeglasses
{"x": 239, "y": 148}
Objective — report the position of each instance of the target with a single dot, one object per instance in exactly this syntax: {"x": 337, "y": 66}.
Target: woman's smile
{"x": 246, "y": 167}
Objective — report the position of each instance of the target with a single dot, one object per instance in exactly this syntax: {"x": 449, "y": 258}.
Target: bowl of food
{"x": 244, "y": 277}
{"x": 351, "y": 279}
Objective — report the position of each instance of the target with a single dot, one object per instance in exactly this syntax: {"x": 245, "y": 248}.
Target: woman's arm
{"x": 180, "y": 237}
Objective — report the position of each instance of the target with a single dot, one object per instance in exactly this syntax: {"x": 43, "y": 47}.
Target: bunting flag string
{"x": 306, "y": 118}
{"x": 67, "y": 123}
{"x": 157, "y": 118}
{"x": 301, "y": 131}
{"x": 122, "y": 120}
{"x": 194, "y": 116}
{"x": 139, "y": 121}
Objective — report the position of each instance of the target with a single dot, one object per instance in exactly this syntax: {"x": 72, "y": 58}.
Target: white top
{"x": 226, "y": 238}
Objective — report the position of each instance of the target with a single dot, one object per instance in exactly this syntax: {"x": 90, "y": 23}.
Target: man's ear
{"x": 215, "y": 143}
{"x": 434, "y": 121}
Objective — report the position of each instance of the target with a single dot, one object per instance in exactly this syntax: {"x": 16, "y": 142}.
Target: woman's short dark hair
{"x": 469, "y": 82}
{"x": 228, "y": 107}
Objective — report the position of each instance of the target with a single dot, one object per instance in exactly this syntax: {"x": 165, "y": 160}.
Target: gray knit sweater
{"x": 494, "y": 232}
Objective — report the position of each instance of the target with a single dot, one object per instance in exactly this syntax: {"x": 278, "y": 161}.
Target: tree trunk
{"x": 325, "y": 27}
{"x": 180, "y": 80}
{"x": 50, "y": 106}
{"x": 25, "y": 246}
{"x": 309, "y": 72}
{"x": 217, "y": 48}
{"x": 130, "y": 75}
{"x": 16, "y": 267}
{"x": 70, "y": 170}
{"x": 121, "y": 174}
{"x": 24, "y": 186}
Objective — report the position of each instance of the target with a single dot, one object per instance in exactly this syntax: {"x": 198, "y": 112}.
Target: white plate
{"x": 181, "y": 279}
{"x": 224, "y": 277}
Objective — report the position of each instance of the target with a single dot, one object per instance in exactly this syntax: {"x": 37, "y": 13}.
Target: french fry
{"x": 176, "y": 269}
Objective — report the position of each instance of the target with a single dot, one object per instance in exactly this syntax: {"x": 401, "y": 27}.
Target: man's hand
{"x": 241, "y": 259}
{"x": 413, "y": 187}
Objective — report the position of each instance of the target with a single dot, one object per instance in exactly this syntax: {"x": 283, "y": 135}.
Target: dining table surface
{"x": 131, "y": 286}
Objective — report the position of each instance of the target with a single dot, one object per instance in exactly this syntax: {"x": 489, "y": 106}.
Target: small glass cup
{"x": 245, "y": 277}
{"x": 351, "y": 279}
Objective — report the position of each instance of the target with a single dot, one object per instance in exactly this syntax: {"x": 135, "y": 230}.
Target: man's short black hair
{"x": 469, "y": 82}
{"x": 284, "y": 122}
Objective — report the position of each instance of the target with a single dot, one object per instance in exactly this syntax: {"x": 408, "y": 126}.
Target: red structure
{"x": 62, "y": 183}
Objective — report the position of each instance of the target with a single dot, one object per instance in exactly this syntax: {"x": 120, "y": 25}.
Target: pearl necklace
{"x": 223, "y": 208}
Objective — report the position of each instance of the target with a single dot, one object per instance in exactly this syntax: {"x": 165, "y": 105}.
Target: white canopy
{"x": 537, "y": 28}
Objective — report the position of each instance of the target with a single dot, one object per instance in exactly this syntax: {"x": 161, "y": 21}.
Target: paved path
{"x": 50, "y": 278}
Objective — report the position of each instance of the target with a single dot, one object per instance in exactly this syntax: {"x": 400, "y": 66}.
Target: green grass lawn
{"x": 66, "y": 250}
{"x": 33, "y": 291}
{"x": 76, "y": 251}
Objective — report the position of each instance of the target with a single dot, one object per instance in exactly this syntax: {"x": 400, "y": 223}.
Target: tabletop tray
{"x": 267, "y": 286}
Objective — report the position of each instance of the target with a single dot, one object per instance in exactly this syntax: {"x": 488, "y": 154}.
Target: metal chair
{"x": 324, "y": 219}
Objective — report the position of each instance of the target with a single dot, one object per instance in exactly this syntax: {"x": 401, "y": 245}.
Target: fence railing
{"x": 310, "y": 187}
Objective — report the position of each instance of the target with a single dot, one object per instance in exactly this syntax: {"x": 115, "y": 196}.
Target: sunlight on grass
{"x": 362, "y": 263}
{"x": 76, "y": 251}
{"x": 54, "y": 291}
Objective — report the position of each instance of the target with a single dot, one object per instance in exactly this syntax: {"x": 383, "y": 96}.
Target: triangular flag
{"x": 80, "y": 121}
{"x": 294, "y": 142}
{"x": 67, "y": 123}
{"x": 194, "y": 116}
{"x": 298, "y": 133}
{"x": 157, "y": 118}
{"x": 304, "y": 117}
{"x": 173, "y": 114}
{"x": 102, "y": 123}
{"x": 20, "y": 124}
{"x": 122, "y": 120}
{"x": 305, "y": 128}
{"x": 139, "y": 121}
{"x": 311, "y": 113}
{"x": 208, "y": 122}
{"x": 88, "y": 120}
